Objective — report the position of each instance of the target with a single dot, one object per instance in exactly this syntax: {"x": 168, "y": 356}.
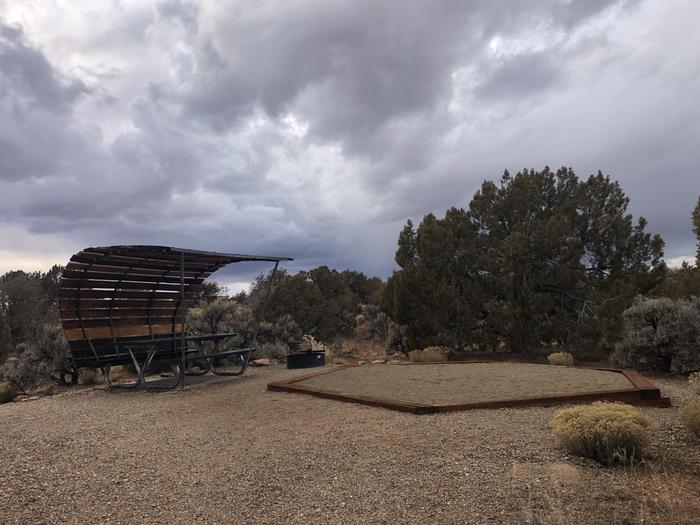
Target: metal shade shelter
{"x": 128, "y": 304}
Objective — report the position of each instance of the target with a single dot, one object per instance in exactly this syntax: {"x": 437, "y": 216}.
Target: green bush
{"x": 7, "y": 393}
{"x": 661, "y": 334}
{"x": 560, "y": 359}
{"x": 606, "y": 432}
{"x": 690, "y": 416}
{"x": 271, "y": 351}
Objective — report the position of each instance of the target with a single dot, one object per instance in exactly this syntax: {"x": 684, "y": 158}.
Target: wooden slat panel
{"x": 111, "y": 285}
{"x": 123, "y": 321}
{"x": 77, "y": 266}
{"x": 123, "y": 331}
{"x": 123, "y": 294}
{"x": 130, "y": 276}
{"x": 106, "y": 302}
{"x": 94, "y": 313}
{"x": 139, "y": 261}
{"x": 107, "y": 345}
{"x": 164, "y": 255}
{"x": 129, "y": 263}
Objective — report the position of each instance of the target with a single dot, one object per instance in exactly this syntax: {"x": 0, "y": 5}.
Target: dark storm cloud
{"x": 315, "y": 129}
{"x": 520, "y": 76}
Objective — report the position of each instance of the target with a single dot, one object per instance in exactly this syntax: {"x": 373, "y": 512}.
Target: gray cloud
{"x": 315, "y": 129}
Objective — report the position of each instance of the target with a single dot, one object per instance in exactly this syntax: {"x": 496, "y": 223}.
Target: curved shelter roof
{"x": 115, "y": 292}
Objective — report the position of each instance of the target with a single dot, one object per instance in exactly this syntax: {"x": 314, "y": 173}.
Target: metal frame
{"x": 171, "y": 348}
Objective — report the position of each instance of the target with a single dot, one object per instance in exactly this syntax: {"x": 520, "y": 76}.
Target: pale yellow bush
{"x": 416, "y": 356}
{"x": 607, "y": 432}
{"x": 690, "y": 416}
{"x": 694, "y": 382}
{"x": 561, "y": 359}
{"x": 435, "y": 354}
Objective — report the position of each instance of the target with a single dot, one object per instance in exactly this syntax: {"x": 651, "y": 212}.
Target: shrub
{"x": 661, "y": 334}
{"x": 694, "y": 382}
{"x": 416, "y": 356}
{"x": 27, "y": 370}
{"x": 88, "y": 377}
{"x": 560, "y": 359}
{"x": 431, "y": 354}
{"x": 606, "y": 432}
{"x": 7, "y": 393}
{"x": 690, "y": 416}
{"x": 434, "y": 354}
{"x": 271, "y": 351}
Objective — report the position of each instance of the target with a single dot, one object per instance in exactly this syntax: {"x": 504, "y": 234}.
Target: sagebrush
{"x": 606, "y": 432}
{"x": 431, "y": 354}
{"x": 694, "y": 382}
{"x": 7, "y": 393}
{"x": 661, "y": 334}
{"x": 690, "y": 416}
{"x": 560, "y": 359}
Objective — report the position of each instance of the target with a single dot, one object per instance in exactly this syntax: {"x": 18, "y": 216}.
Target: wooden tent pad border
{"x": 642, "y": 393}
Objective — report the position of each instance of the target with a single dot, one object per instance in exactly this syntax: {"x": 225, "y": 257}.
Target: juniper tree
{"x": 539, "y": 256}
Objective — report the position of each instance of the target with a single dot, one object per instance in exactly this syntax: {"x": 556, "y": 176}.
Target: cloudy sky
{"x": 314, "y": 129}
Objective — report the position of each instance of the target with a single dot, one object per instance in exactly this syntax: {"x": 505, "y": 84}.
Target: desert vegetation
{"x": 560, "y": 359}
{"x": 607, "y": 432}
{"x": 538, "y": 261}
{"x": 690, "y": 416}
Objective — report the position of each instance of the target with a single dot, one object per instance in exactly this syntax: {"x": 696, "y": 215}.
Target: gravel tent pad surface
{"x": 231, "y": 452}
{"x": 466, "y": 382}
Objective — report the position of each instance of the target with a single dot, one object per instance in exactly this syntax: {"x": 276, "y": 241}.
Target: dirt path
{"x": 233, "y": 453}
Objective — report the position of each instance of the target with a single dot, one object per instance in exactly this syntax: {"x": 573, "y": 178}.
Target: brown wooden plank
{"x": 136, "y": 258}
{"x": 124, "y": 285}
{"x": 106, "y": 302}
{"x": 118, "y": 260}
{"x": 125, "y": 277}
{"x": 134, "y": 263}
{"x": 68, "y": 324}
{"x": 121, "y": 294}
{"x": 76, "y": 266}
{"x": 74, "y": 334}
{"x": 96, "y": 313}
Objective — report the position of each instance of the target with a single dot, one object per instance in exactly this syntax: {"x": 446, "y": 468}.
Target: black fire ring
{"x": 306, "y": 359}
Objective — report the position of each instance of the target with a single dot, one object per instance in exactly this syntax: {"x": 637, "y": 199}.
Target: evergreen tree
{"x": 541, "y": 256}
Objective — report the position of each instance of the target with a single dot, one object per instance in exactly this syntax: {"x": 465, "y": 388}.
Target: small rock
{"x": 30, "y": 398}
{"x": 362, "y": 362}
{"x": 260, "y": 362}
{"x": 378, "y": 362}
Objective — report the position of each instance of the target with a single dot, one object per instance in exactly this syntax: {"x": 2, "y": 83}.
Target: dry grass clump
{"x": 7, "y": 393}
{"x": 607, "y": 432}
{"x": 416, "y": 356}
{"x": 690, "y": 416}
{"x": 694, "y": 382}
{"x": 560, "y": 359}
{"x": 435, "y": 354}
{"x": 431, "y": 354}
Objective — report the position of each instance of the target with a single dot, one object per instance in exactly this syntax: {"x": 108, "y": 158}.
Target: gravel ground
{"x": 230, "y": 452}
{"x": 466, "y": 383}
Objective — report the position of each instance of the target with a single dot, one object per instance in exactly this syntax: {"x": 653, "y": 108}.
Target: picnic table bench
{"x": 127, "y": 305}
